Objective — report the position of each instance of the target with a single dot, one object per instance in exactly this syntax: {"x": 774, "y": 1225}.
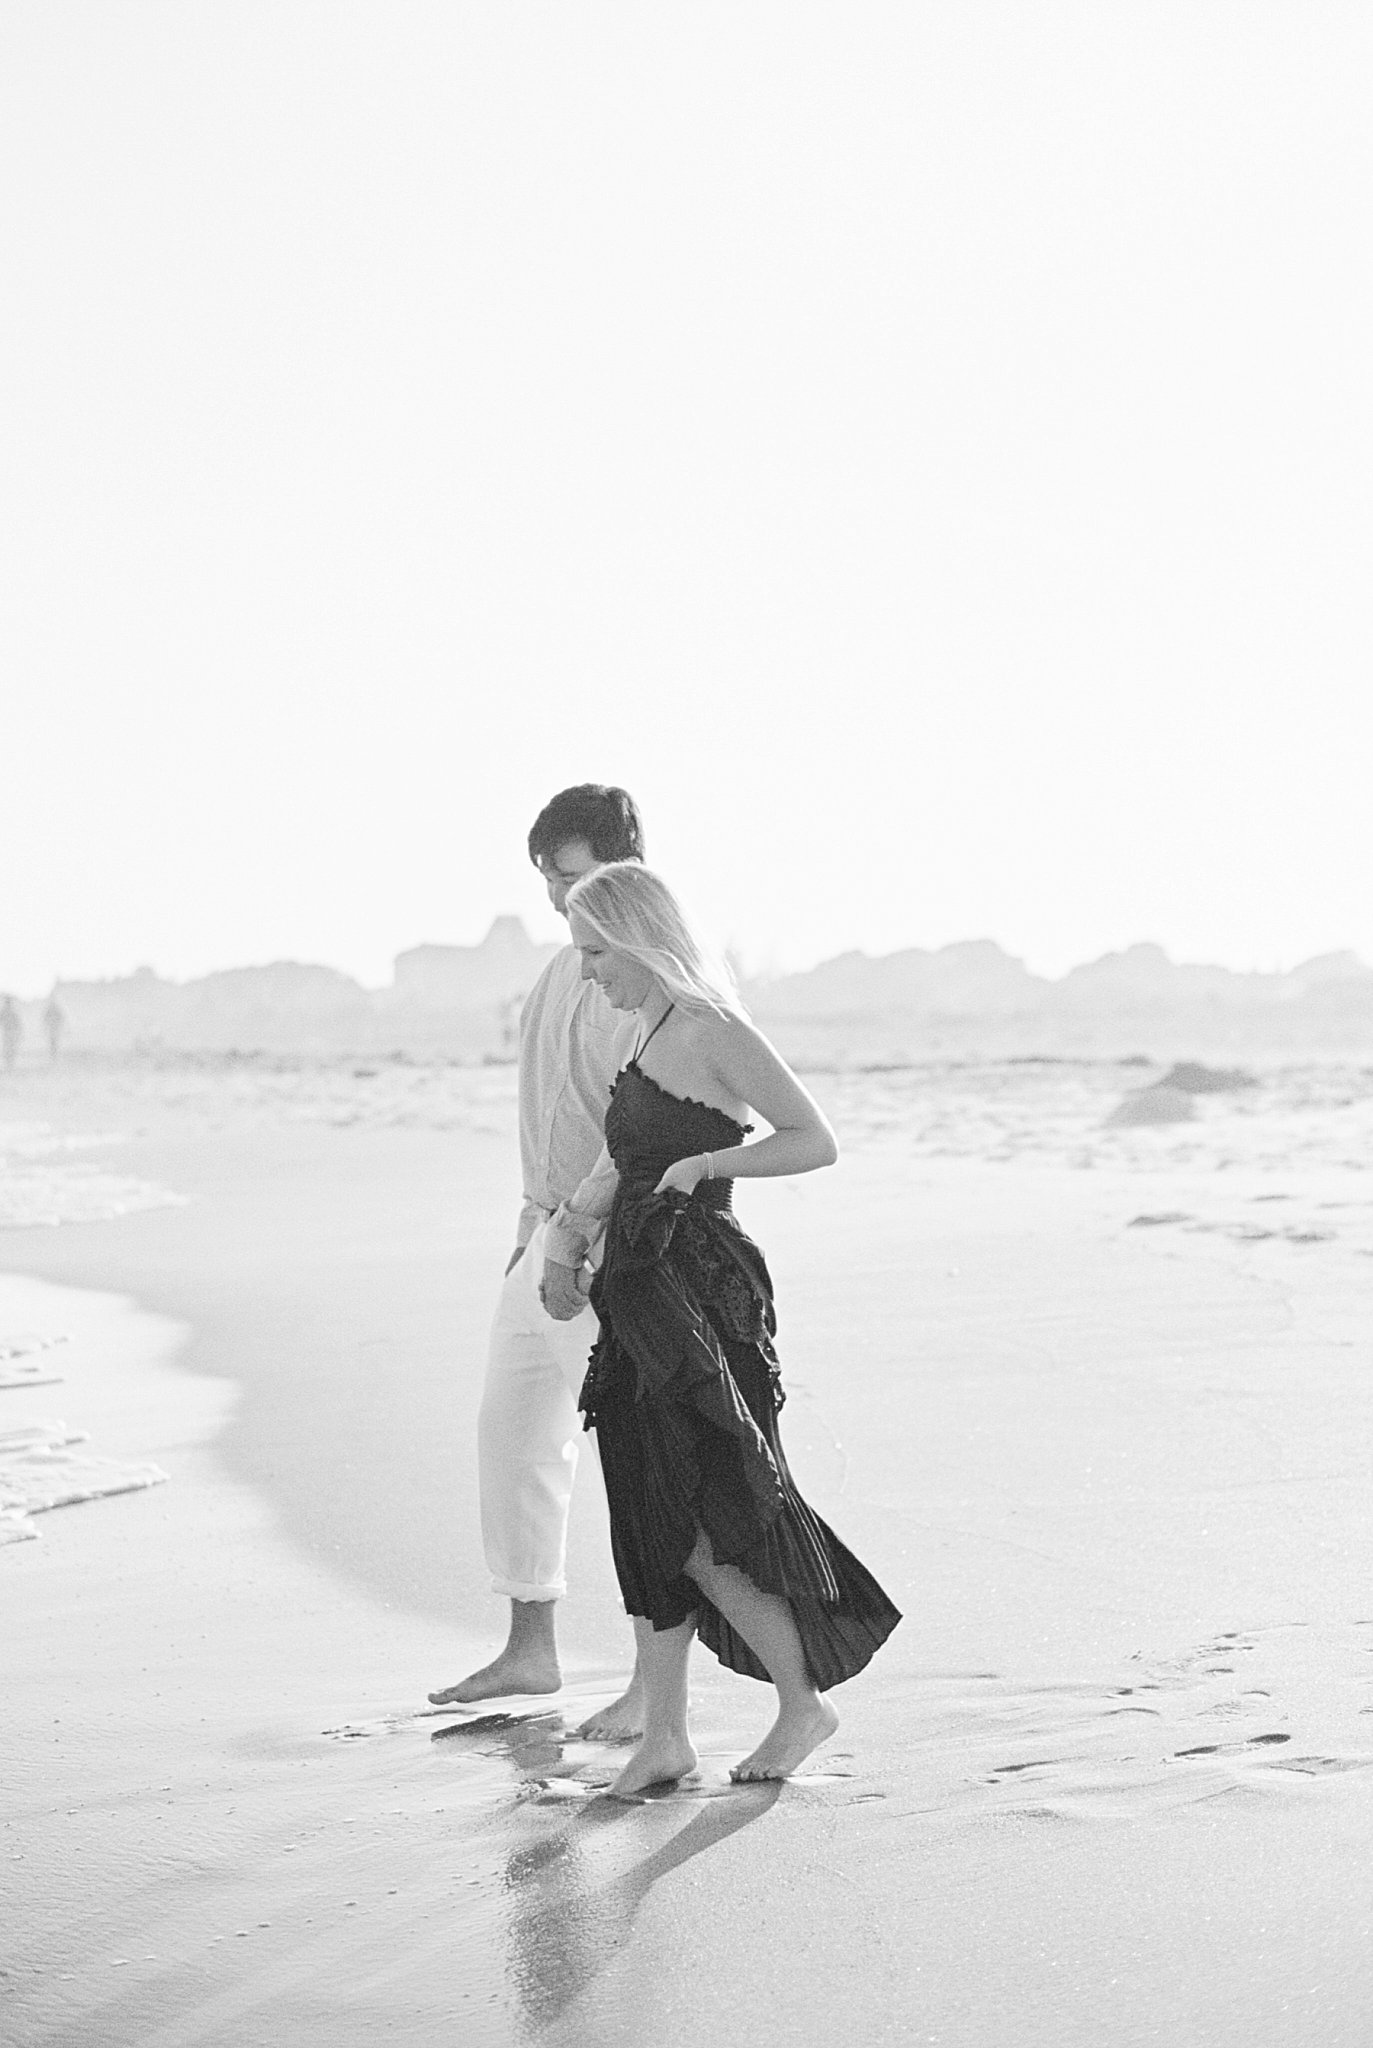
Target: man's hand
{"x": 514, "y": 1258}
{"x": 559, "y": 1292}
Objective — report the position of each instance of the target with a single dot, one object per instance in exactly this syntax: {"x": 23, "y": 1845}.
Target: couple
{"x": 633, "y": 1031}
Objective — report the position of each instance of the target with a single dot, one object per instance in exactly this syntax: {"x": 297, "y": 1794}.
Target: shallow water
{"x": 1043, "y": 1112}
{"x": 43, "y": 1180}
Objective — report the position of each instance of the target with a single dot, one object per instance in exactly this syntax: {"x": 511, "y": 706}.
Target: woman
{"x": 709, "y": 1532}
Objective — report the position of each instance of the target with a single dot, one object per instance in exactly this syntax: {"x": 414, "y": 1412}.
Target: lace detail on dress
{"x": 716, "y": 1270}
{"x": 705, "y": 1268}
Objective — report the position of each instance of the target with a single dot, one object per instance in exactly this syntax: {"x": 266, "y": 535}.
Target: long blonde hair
{"x": 633, "y": 911}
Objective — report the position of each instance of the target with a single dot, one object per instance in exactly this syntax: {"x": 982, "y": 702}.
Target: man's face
{"x": 564, "y": 866}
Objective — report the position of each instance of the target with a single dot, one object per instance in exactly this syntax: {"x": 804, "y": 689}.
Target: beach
{"x": 1094, "y": 1404}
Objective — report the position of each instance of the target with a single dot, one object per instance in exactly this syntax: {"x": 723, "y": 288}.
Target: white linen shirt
{"x": 572, "y": 1045}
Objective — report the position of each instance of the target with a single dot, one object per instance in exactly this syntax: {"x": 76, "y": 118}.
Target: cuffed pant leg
{"x": 528, "y": 1434}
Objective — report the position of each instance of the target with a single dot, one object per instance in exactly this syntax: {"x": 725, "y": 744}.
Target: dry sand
{"x": 1108, "y": 1784}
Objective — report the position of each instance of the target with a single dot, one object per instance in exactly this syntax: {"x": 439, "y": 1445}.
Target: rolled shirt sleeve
{"x": 572, "y": 1045}
{"x": 577, "y": 1223}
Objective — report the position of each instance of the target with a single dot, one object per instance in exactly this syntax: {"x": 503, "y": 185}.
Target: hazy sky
{"x": 923, "y": 450}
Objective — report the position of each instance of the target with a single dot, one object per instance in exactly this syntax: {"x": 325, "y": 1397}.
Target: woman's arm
{"x": 751, "y": 1069}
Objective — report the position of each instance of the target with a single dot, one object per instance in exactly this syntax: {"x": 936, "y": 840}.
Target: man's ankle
{"x": 532, "y": 1628}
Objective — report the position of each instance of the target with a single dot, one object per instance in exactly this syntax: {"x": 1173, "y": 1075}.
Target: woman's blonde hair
{"x": 633, "y": 911}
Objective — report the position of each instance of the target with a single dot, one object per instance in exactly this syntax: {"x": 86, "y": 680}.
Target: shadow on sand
{"x": 584, "y": 1863}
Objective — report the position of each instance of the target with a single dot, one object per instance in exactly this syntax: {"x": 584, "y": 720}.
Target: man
{"x": 11, "y": 1031}
{"x": 572, "y": 1044}
{"x": 54, "y": 1024}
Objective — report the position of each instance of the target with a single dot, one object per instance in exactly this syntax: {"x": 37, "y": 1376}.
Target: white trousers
{"x": 528, "y": 1434}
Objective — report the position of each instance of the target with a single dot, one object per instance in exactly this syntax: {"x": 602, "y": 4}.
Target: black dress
{"x": 683, "y": 1391}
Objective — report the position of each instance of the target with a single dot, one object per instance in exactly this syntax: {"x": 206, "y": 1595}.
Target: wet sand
{"x": 1109, "y": 1782}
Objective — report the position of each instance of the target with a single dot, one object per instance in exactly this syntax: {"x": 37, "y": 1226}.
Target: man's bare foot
{"x": 793, "y": 1735}
{"x": 660, "y": 1760}
{"x": 508, "y": 1673}
{"x": 621, "y": 1721}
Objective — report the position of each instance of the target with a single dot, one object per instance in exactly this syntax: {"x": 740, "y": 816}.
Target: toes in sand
{"x": 793, "y": 1735}
{"x": 660, "y": 1761}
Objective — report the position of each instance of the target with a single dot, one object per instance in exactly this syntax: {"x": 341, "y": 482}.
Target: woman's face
{"x": 625, "y": 984}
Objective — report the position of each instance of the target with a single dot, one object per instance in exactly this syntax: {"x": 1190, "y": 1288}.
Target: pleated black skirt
{"x": 670, "y": 1471}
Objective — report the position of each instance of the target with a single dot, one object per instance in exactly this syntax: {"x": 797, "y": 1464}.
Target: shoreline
{"x": 87, "y": 1343}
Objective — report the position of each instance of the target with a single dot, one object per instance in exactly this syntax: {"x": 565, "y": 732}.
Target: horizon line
{"x": 755, "y": 977}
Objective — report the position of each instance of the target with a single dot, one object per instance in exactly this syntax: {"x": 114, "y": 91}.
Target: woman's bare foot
{"x": 659, "y": 1760}
{"x": 621, "y": 1721}
{"x": 511, "y": 1672}
{"x": 793, "y": 1735}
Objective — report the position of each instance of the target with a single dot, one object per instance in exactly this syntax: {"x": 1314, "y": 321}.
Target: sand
{"x": 1109, "y": 1783}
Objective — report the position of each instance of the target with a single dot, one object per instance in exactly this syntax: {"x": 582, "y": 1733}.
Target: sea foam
{"x": 42, "y": 1181}
{"x": 41, "y": 1468}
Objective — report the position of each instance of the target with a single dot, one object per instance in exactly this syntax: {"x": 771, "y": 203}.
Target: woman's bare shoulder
{"x": 733, "y": 1046}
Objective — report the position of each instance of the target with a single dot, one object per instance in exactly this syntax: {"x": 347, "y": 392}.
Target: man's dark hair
{"x": 607, "y": 819}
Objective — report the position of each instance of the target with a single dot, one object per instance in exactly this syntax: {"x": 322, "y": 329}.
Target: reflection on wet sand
{"x": 584, "y": 1863}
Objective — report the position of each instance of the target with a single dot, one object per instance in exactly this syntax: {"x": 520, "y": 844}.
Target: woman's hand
{"x": 682, "y": 1176}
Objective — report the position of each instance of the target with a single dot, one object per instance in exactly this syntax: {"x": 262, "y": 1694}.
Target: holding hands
{"x": 563, "y": 1289}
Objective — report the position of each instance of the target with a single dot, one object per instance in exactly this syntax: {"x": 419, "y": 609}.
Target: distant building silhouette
{"x": 503, "y": 967}
{"x": 965, "y": 1001}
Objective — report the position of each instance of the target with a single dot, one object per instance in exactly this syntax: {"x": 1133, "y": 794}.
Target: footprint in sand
{"x": 1321, "y": 1766}
{"x": 1115, "y": 1752}
{"x": 1229, "y": 1748}
{"x": 1237, "y": 1705}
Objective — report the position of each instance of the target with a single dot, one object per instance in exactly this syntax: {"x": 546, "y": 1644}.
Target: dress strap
{"x": 656, "y": 1029}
